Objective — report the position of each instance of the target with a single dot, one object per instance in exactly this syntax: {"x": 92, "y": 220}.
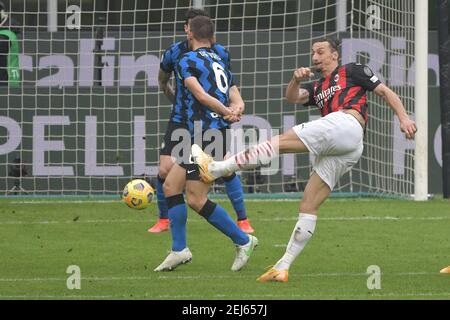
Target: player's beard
{"x": 317, "y": 69}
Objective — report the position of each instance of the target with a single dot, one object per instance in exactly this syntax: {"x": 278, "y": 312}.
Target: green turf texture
{"x": 409, "y": 241}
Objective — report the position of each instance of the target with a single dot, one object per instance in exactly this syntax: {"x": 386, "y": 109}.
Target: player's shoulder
{"x": 356, "y": 66}
{"x": 349, "y": 66}
{"x": 179, "y": 44}
{"x": 360, "y": 69}
{"x": 220, "y": 50}
{"x": 178, "y": 47}
{"x": 218, "y": 47}
{"x": 188, "y": 56}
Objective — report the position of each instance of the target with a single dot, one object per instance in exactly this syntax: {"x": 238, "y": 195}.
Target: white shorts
{"x": 336, "y": 141}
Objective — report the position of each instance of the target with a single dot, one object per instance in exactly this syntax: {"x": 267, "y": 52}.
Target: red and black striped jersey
{"x": 344, "y": 88}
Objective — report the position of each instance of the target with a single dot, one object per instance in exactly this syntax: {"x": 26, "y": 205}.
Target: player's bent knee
{"x": 166, "y": 188}
{"x": 163, "y": 173}
{"x": 164, "y": 170}
{"x": 196, "y": 203}
{"x": 170, "y": 189}
{"x": 165, "y": 164}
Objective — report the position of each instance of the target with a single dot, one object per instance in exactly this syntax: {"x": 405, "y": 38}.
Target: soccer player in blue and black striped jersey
{"x": 179, "y": 118}
{"x": 206, "y": 81}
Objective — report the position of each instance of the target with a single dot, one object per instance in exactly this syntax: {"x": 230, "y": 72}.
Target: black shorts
{"x": 168, "y": 144}
{"x": 215, "y": 142}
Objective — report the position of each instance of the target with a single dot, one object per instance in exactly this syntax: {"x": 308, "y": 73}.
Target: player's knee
{"x": 163, "y": 173}
{"x": 195, "y": 202}
{"x": 164, "y": 170}
{"x": 170, "y": 189}
{"x": 165, "y": 164}
{"x": 166, "y": 188}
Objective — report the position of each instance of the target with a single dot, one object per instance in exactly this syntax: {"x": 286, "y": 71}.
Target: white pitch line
{"x": 57, "y": 297}
{"x": 249, "y": 296}
{"x": 62, "y": 201}
{"x": 196, "y": 277}
{"x": 384, "y": 218}
{"x": 73, "y": 222}
{"x": 274, "y": 219}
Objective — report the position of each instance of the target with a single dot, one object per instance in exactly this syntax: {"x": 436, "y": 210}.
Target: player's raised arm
{"x": 165, "y": 86}
{"x": 294, "y": 92}
{"x": 407, "y": 125}
{"x": 204, "y": 98}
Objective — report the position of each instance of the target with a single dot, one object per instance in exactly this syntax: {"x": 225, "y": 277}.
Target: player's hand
{"x": 232, "y": 116}
{"x": 408, "y": 127}
{"x": 237, "y": 110}
{"x": 302, "y": 74}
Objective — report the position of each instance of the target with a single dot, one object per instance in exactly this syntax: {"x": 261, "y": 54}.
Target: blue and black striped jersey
{"x": 169, "y": 63}
{"x": 215, "y": 78}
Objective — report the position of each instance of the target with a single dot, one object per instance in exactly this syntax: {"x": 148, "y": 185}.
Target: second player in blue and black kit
{"x": 215, "y": 78}
{"x": 179, "y": 120}
{"x": 169, "y": 64}
{"x": 206, "y": 82}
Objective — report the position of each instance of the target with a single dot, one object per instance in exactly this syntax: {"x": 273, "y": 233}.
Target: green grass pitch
{"x": 409, "y": 241}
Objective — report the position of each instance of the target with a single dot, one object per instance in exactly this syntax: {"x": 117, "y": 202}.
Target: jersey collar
{"x": 332, "y": 72}
{"x": 203, "y": 48}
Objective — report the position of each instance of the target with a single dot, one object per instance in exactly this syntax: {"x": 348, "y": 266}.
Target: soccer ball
{"x": 138, "y": 194}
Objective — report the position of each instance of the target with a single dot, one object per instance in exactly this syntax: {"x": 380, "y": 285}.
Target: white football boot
{"x": 243, "y": 253}
{"x": 174, "y": 259}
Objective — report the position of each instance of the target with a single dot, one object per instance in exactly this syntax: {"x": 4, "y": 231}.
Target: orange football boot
{"x": 203, "y": 160}
{"x": 245, "y": 226}
{"x": 446, "y": 270}
{"x": 274, "y": 275}
{"x": 160, "y": 226}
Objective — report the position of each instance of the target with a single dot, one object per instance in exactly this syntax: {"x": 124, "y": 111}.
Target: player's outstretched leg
{"x": 235, "y": 193}
{"x": 253, "y": 157}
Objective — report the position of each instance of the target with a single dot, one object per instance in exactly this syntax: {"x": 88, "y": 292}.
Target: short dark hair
{"x": 333, "y": 42}
{"x": 192, "y": 13}
{"x": 202, "y": 28}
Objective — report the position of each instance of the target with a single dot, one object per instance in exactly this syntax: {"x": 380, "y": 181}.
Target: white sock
{"x": 303, "y": 231}
{"x": 251, "y": 158}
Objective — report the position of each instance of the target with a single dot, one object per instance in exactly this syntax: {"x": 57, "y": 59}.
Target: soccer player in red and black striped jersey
{"x": 336, "y": 139}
